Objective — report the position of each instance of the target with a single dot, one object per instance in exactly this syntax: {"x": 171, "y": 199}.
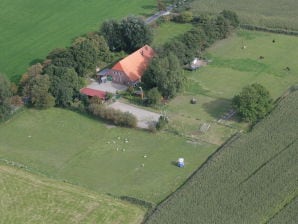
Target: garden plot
{"x": 144, "y": 117}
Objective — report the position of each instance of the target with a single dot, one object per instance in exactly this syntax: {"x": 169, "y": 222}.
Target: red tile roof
{"x": 136, "y": 63}
{"x": 93, "y": 92}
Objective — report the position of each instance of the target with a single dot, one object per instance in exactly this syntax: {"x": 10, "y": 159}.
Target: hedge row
{"x": 271, "y": 30}
{"x": 116, "y": 116}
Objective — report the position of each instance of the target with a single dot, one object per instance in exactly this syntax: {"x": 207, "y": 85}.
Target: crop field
{"x": 232, "y": 68}
{"x": 31, "y": 29}
{"x": 28, "y": 199}
{"x": 252, "y": 179}
{"x": 269, "y": 13}
{"x": 68, "y": 146}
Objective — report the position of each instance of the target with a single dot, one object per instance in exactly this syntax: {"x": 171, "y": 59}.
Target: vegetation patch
{"x": 28, "y": 198}
{"x": 120, "y": 161}
{"x": 236, "y": 184}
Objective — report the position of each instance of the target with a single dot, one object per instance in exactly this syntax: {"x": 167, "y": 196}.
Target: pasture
{"x": 68, "y": 146}
{"x": 31, "y": 29}
{"x": 252, "y": 179}
{"x": 169, "y": 30}
{"x": 232, "y": 68}
{"x": 28, "y": 199}
{"x": 268, "y": 13}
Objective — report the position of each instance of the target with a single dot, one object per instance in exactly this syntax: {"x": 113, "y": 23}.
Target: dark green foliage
{"x": 129, "y": 34}
{"x": 222, "y": 27}
{"x": 179, "y": 49}
{"x": 5, "y": 94}
{"x": 65, "y": 84}
{"x": 35, "y": 88}
{"x": 232, "y": 17}
{"x": 166, "y": 74}
{"x": 184, "y": 17}
{"x": 162, "y": 122}
{"x": 251, "y": 179}
{"x": 116, "y": 116}
{"x": 253, "y": 103}
{"x": 62, "y": 57}
{"x": 85, "y": 56}
{"x": 153, "y": 96}
{"x": 111, "y": 32}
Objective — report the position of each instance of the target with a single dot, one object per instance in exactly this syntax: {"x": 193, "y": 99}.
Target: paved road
{"x": 159, "y": 14}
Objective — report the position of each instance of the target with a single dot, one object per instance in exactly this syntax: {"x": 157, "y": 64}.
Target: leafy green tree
{"x": 35, "y": 88}
{"x": 135, "y": 33}
{"x": 253, "y": 103}
{"x": 129, "y": 34}
{"x": 153, "y": 96}
{"x": 112, "y": 33}
{"x": 222, "y": 27}
{"x": 85, "y": 56}
{"x": 39, "y": 92}
{"x": 185, "y": 17}
{"x": 5, "y": 94}
{"x": 65, "y": 84}
{"x": 62, "y": 58}
{"x": 166, "y": 74}
{"x": 232, "y": 17}
{"x": 161, "y": 5}
{"x": 179, "y": 49}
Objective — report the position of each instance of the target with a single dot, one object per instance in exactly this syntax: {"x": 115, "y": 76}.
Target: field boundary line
{"x": 204, "y": 165}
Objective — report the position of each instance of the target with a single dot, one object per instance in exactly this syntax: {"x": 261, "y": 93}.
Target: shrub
{"x": 116, "y": 116}
{"x": 162, "y": 122}
{"x": 153, "y": 96}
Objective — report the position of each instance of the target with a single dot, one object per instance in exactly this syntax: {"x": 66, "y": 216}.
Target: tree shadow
{"x": 174, "y": 163}
{"x": 217, "y": 108}
{"x": 35, "y": 61}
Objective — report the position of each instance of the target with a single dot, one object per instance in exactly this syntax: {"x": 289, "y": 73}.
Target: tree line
{"x": 165, "y": 71}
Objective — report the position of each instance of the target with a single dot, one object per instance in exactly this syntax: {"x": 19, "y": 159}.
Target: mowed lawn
{"x": 231, "y": 69}
{"x": 31, "y": 29}
{"x": 68, "y": 146}
{"x": 28, "y": 199}
{"x": 270, "y": 13}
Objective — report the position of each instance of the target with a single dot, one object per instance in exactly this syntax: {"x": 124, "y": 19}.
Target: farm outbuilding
{"x": 92, "y": 92}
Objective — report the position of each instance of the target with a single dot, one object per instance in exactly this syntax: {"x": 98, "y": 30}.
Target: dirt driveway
{"x": 145, "y": 118}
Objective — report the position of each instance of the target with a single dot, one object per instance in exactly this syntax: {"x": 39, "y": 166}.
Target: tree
{"x": 166, "y": 74}
{"x": 252, "y": 103}
{"x": 39, "y": 95}
{"x": 35, "y": 88}
{"x": 232, "y": 17}
{"x": 65, "y": 84}
{"x": 185, "y": 17}
{"x": 129, "y": 34}
{"x": 111, "y": 32}
{"x": 153, "y": 96}
{"x": 135, "y": 33}
{"x": 5, "y": 94}
{"x": 85, "y": 56}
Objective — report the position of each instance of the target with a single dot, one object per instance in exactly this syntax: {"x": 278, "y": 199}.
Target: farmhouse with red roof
{"x": 130, "y": 69}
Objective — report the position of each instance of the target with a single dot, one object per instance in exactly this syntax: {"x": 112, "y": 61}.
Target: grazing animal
{"x": 261, "y": 57}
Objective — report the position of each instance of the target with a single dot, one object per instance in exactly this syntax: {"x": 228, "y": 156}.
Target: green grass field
{"x": 252, "y": 179}
{"x": 230, "y": 70}
{"x": 65, "y": 145}
{"x": 169, "y": 30}
{"x": 269, "y": 13}
{"x": 31, "y": 29}
{"x": 29, "y": 199}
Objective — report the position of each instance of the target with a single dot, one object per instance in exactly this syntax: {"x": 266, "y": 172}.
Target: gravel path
{"x": 145, "y": 118}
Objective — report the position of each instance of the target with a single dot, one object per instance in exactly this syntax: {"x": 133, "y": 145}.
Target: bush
{"x": 116, "y": 116}
{"x": 162, "y": 122}
{"x": 252, "y": 103}
{"x": 153, "y": 96}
